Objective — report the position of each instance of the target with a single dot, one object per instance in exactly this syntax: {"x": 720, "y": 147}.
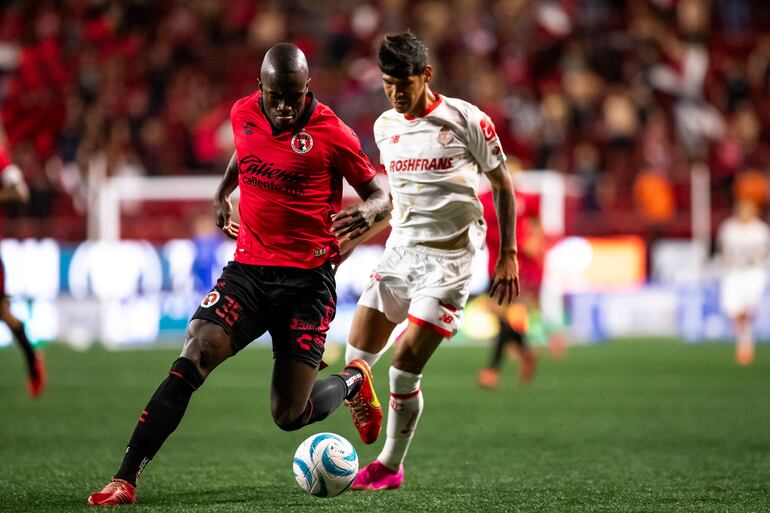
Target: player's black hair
{"x": 402, "y": 55}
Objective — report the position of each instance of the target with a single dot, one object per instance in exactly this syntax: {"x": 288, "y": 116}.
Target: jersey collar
{"x": 310, "y": 104}
{"x": 427, "y": 111}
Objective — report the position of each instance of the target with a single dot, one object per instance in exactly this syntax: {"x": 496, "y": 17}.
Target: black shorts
{"x": 295, "y": 305}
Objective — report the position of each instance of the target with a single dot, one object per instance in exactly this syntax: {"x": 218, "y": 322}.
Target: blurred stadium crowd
{"x": 624, "y": 95}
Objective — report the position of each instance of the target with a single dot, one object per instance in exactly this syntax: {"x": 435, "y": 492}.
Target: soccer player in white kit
{"x": 434, "y": 150}
{"x": 744, "y": 246}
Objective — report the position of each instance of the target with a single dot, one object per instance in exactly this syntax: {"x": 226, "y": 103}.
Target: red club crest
{"x": 211, "y": 299}
{"x": 302, "y": 142}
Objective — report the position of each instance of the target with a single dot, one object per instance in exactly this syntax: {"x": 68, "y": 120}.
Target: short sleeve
{"x": 483, "y": 142}
{"x": 350, "y": 159}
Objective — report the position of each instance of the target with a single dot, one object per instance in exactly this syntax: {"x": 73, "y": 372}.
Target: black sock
{"x": 134, "y": 462}
{"x": 507, "y": 335}
{"x": 160, "y": 418}
{"x": 326, "y": 396}
{"x": 29, "y": 354}
{"x": 499, "y": 345}
{"x": 519, "y": 339}
{"x": 353, "y": 378}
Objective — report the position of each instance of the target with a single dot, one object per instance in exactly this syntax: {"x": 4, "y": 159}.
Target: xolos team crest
{"x": 302, "y": 142}
{"x": 211, "y": 299}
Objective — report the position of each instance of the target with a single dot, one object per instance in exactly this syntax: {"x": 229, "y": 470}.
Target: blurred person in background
{"x": 744, "y": 246}
{"x": 435, "y": 149}
{"x": 206, "y": 240}
{"x": 752, "y": 185}
{"x": 653, "y": 195}
{"x": 130, "y": 85}
{"x": 514, "y": 320}
{"x": 292, "y": 153}
{"x": 13, "y": 189}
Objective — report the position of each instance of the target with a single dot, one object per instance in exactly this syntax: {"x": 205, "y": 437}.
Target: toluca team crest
{"x": 444, "y": 136}
{"x": 211, "y": 299}
{"x": 301, "y": 142}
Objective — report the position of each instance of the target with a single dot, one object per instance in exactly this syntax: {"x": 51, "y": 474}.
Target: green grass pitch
{"x": 628, "y": 426}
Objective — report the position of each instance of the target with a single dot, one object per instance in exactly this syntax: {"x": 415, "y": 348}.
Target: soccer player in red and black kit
{"x": 513, "y": 319}
{"x": 292, "y": 153}
{"x": 13, "y": 189}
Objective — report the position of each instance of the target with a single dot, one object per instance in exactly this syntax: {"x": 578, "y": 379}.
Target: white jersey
{"x": 744, "y": 245}
{"x": 434, "y": 164}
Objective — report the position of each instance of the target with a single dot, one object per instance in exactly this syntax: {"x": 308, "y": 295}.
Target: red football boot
{"x": 117, "y": 491}
{"x": 365, "y": 407}
{"x": 527, "y": 365}
{"x": 36, "y": 383}
{"x": 489, "y": 379}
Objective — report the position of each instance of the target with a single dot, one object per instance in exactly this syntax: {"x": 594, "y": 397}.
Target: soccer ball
{"x": 325, "y": 465}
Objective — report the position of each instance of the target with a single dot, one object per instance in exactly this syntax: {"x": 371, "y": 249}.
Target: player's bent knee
{"x": 207, "y": 345}
{"x": 289, "y": 421}
{"x": 288, "y": 414}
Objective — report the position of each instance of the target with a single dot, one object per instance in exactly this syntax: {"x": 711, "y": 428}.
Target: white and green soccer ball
{"x": 325, "y": 465}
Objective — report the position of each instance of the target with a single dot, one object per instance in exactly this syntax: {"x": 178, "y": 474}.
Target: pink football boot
{"x": 376, "y": 476}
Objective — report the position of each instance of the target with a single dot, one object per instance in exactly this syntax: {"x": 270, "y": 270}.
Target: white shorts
{"x": 741, "y": 291}
{"x": 428, "y": 286}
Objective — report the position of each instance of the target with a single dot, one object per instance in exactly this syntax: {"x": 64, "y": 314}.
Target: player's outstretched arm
{"x": 353, "y": 222}
{"x": 347, "y": 244}
{"x": 223, "y": 209}
{"x": 505, "y": 284}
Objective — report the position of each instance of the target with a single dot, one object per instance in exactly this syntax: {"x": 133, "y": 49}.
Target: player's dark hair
{"x": 402, "y": 55}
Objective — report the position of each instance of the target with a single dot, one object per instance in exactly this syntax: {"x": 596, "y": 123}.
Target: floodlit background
{"x": 632, "y": 126}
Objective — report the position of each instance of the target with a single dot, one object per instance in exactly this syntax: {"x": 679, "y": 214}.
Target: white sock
{"x": 351, "y": 353}
{"x": 404, "y": 409}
